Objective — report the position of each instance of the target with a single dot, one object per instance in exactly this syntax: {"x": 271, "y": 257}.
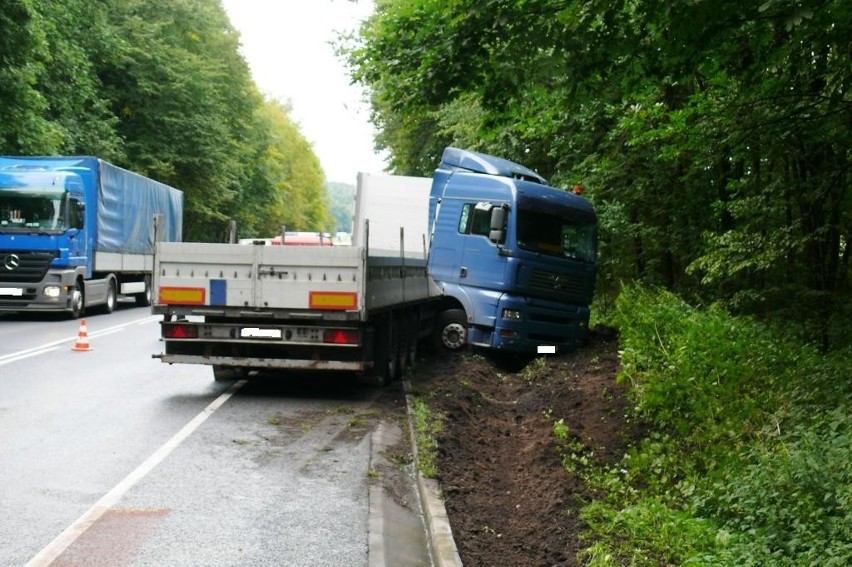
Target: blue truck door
{"x": 78, "y": 236}
{"x": 446, "y": 246}
{"x": 481, "y": 268}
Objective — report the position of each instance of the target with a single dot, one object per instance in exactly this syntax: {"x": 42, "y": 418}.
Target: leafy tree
{"x": 285, "y": 183}
{"x": 78, "y": 36}
{"x": 186, "y": 102}
{"x": 49, "y": 100}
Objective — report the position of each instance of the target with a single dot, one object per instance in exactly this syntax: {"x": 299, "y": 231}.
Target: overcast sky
{"x": 286, "y": 44}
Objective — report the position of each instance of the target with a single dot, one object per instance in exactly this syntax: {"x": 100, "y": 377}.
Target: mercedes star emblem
{"x": 11, "y": 261}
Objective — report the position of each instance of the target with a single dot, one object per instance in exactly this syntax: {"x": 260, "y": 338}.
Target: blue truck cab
{"x": 515, "y": 258}
{"x": 75, "y": 232}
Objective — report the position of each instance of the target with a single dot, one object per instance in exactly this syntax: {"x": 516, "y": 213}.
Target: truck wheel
{"x": 144, "y": 299}
{"x": 77, "y": 301}
{"x": 109, "y": 304}
{"x": 451, "y": 331}
{"x": 412, "y": 338}
{"x": 387, "y": 355}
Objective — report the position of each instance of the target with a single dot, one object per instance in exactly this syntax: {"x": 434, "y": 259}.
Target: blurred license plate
{"x": 257, "y": 333}
{"x": 11, "y": 291}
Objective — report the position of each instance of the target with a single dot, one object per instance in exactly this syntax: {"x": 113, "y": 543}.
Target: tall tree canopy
{"x": 713, "y": 136}
{"x": 285, "y": 180}
{"x": 159, "y": 87}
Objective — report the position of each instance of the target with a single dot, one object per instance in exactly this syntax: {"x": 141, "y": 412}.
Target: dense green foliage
{"x": 158, "y": 87}
{"x": 748, "y": 459}
{"x": 713, "y": 136}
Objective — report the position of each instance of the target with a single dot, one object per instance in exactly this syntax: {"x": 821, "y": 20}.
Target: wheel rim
{"x": 453, "y": 336}
{"x": 77, "y": 299}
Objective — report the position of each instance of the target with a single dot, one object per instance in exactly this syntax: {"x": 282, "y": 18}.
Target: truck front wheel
{"x": 78, "y": 301}
{"x": 451, "y": 331}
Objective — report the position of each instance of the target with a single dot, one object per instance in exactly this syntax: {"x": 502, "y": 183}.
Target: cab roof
{"x": 467, "y": 160}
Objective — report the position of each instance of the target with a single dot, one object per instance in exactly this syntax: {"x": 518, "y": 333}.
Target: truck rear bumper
{"x": 264, "y": 363}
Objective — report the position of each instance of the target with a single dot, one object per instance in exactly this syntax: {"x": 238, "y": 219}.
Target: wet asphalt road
{"x": 110, "y": 457}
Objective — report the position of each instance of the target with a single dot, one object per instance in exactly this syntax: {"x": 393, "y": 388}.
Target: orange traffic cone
{"x": 82, "y": 338}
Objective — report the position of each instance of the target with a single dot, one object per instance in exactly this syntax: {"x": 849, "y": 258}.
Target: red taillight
{"x": 180, "y": 331}
{"x": 340, "y": 336}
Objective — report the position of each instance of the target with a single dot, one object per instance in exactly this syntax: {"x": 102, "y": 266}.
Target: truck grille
{"x": 560, "y": 283}
{"x": 24, "y": 267}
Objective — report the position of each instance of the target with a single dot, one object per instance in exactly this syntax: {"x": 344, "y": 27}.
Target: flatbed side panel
{"x": 326, "y": 277}
{"x": 259, "y": 277}
{"x": 393, "y": 280}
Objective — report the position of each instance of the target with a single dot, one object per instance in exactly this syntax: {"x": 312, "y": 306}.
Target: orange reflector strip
{"x": 183, "y": 295}
{"x": 340, "y": 300}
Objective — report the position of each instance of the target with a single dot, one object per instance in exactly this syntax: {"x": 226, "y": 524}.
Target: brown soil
{"x": 509, "y": 498}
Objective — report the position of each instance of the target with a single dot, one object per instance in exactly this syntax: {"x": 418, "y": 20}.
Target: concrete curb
{"x": 442, "y": 546}
{"x": 376, "y": 522}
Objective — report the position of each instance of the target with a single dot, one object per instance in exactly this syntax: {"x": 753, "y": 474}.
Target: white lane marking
{"x": 106, "y": 332}
{"x": 55, "y": 548}
{"x": 145, "y": 320}
{"x": 47, "y": 347}
{"x": 16, "y": 357}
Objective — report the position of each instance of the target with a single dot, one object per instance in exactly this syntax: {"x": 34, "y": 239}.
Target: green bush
{"x": 748, "y": 462}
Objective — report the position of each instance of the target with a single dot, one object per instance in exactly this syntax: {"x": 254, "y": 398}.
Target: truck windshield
{"x": 28, "y": 210}
{"x": 551, "y": 234}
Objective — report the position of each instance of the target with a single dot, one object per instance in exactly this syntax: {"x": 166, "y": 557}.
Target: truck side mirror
{"x": 79, "y": 215}
{"x": 498, "y": 225}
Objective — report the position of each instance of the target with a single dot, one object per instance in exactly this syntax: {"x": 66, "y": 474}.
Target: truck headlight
{"x": 512, "y": 314}
{"x": 51, "y": 291}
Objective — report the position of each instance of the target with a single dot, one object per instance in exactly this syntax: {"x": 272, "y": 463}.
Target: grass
{"x": 748, "y": 459}
{"x": 428, "y": 425}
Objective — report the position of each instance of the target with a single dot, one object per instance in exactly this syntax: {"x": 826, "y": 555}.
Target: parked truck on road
{"x": 77, "y": 231}
{"x": 483, "y": 253}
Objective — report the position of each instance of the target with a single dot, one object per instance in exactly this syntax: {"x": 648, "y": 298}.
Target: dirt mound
{"x": 509, "y": 498}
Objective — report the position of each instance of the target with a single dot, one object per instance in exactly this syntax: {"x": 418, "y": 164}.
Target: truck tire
{"x": 412, "y": 338}
{"x": 111, "y": 298}
{"x": 144, "y": 299}
{"x": 388, "y": 354}
{"x": 451, "y": 330}
{"x": 78, "y": 301}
